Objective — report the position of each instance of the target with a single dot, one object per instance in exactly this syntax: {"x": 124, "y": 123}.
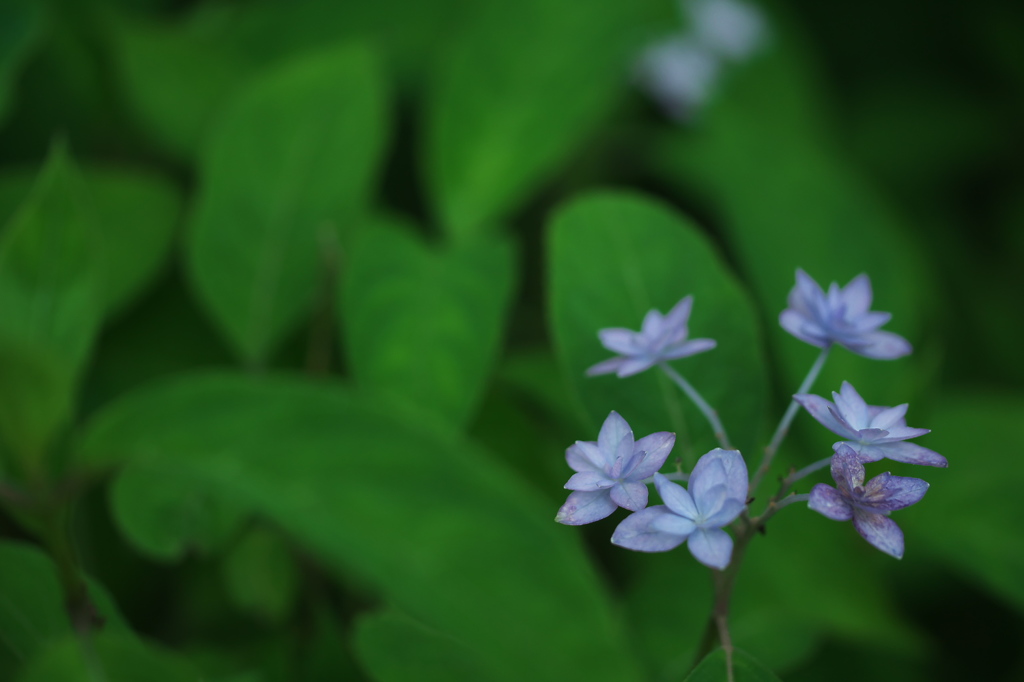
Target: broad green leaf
{"x": 445, "y": 532}
{"x": 423, "y": 321}
{"x": 787, "y": 199}
{"x": 108, "y": 657}
{"x": 427, "y": 655}
{"x": 613, "y": 257}
{"x": 745, "y": 669}
{"x": 165, "y": 513}
{"x": 517, "y": 92}
{"x": 973, "y": 509}
{"x": 32, "y": 611}
{"x": 51, "y": 299}
{"x": 288, "y": 168}
{"x": 20, "y": 23}
{"x": 261, "y": 575}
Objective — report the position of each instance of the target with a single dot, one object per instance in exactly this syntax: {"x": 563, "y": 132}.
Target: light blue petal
{"x": 880, "y": 531}
{"x": 657, "y": 446}
{"x": 585, "y": 507}
{"x": 635, "y": 365}
{"x": 725, "y": 515}
{"x": 712, "y": 547}
{"x": 585, "y": 456}
{"x": 609, "y": 366}
{"x": 618, "y": 340}
{"x": 823, "y": 411}
{"x": 857, "y": 295}
{"x": 675, "y": 497}
{"x": 630, "y": 495}
{"x": 589, "y": 480}
{"x": 720, "y": 467}
{"x": 639, "y": 532}
{"x": 912, "y": 453}
{"x": 881, "y": 345}
{"x": 613, "y": 431}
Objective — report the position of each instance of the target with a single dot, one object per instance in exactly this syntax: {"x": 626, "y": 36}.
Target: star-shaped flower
{"x": 717, "y": 495}
{"x": 867, "y": 504}
{"x": 660, "y": 338}
{"x": 872, "y": 432}
{"x": 611, "y": 472}
{"x": 840, "y": 316}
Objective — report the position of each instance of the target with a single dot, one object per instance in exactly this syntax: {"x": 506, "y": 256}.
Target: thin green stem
{"x": 787, "y": 419}
{"x": 709, "y": 413}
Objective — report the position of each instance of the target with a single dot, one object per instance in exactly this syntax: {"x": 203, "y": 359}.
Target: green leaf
{"x": 974, "y": 507}
{"x": 51, "y": 299}
{"x": 425, "y": 322}
{"x": 20, "y": 24}
{"x": 444, "y": 531}
{"x": 165, "y": 513}
{"x": 614, "y": 256}
{"x": 107, "y": 657}
{"x": 427, "y": 655}
{"x": 261, "y": 576}
{"x": 745, "y": 669}
{"x": 289, "y": 166}
{"x": 501, "y": 119}
{"x": 32, "y": 611}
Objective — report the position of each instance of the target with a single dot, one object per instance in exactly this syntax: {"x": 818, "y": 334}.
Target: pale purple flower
{"x": 840, "y": 316}
{"x": 611, "y": 472}
{"x": 717, "y": 495}
{"x": 732, "y": 29}
{"x": 661, "y": 338}
{"x": 867, "y": 504}
{"x": 872, "y": 432}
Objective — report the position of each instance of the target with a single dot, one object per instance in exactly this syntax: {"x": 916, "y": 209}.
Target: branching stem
{"x": 709, "y": 413}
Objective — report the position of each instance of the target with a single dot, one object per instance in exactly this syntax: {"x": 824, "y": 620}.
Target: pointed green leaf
{"x": 745, "y": 669}
{"x": 443, "y": 530}
{"x": 289, "y": 166}
{"x": 425, "y": 322}
{"x": 613, "y": 257}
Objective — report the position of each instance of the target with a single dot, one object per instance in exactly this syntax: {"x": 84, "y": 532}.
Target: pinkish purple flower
{"x": 717, "y": 495}
{"x": 610, "y": 473}
{"x": 867, "y": 504}
{"x": 840, "y": 316}
{"x": 661, "y": 338}
{"x": 872, "y": 432}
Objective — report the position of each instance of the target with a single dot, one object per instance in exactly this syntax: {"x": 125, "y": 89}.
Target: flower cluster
{"x": 615, "y": 470}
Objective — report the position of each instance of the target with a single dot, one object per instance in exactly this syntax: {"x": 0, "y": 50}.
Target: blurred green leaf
{"x": 449, "y": 535}
{"x": 972, "y": 511}
{"x": 745, "y": 667}
{"x": 427, "y": 655}
{"x": 108, "y": 657}
{"x": 165, "y": 513}
{"x": 613, "y": 257}
{"x": 288, "y": 168}
{"x": 50, "y": 296}
{"x": 518, "y": 90}
{"x": 260, "y": 574}
{"x": 425, "y": 322}
{"x": 32, "y": 610}
{"x": 20, "y": 24}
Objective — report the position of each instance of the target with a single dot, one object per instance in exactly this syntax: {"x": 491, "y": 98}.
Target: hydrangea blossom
{"x": 868, "y": 505}
{"x": 717, "y": 495}
{"x": 872, "y": 432}
{"x": 840, "y": 316}
{"x": 611, "y": 472}
{"x": 661, "y": 338}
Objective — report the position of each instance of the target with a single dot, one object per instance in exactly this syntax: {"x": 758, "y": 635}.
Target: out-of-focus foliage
{"x": 296, "y": 300}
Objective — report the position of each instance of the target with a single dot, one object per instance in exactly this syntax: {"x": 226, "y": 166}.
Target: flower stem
{"x": 806, "y": 471}
{"x": 709, "y": 413}
{"x": 787, "y": 419}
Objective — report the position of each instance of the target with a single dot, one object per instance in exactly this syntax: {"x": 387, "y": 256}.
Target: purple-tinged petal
{"x": 872, "y": 435}
{"x": 829, "y": 502}
{"x": 881, "y": 345}
{"x": 806, "y": 288}
{"x": 857, "y": 295}
{"x": 866, "y": 452}
{"x": 847, "y": 469}
{"x": 589, "y": 481}
{"x": 733, "y": 474}
{"x": 709, "y": 473}
{"x": 712, "y": 547}
{"x": 709, "y": 501}
{"x": 613, "y": 431}
{"x": 675, "y": 497}
{"x": 691, "y": 347}
{"x": 630, "y": 495}
{"x": 880, "y": 531}
{"x": 653, "y": 325}
{"x": 639, "y": 532}
{"x": 795, "y": 323}
{"x": 657, "y": 446}
{"x": 635, "y": 365}
{"x": 886, "y": 492}
{"x": 897, "y": 433}
{"x": 585, "y": 507}
{"x": 912, "y": 453}
{"x": 823, "y": 411}
{"x": 619, "y": 340}
{"x": 674, "y": 524}
{"x": 888, "y": 417}
{"x": 679, "y": 316}
{"x": 869, "y": 322}
{"x": 585, "y": 456}
{"x": 609, "y": 366}
{"x": 726, "y": 514}
{"x": 852, "y": 408}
